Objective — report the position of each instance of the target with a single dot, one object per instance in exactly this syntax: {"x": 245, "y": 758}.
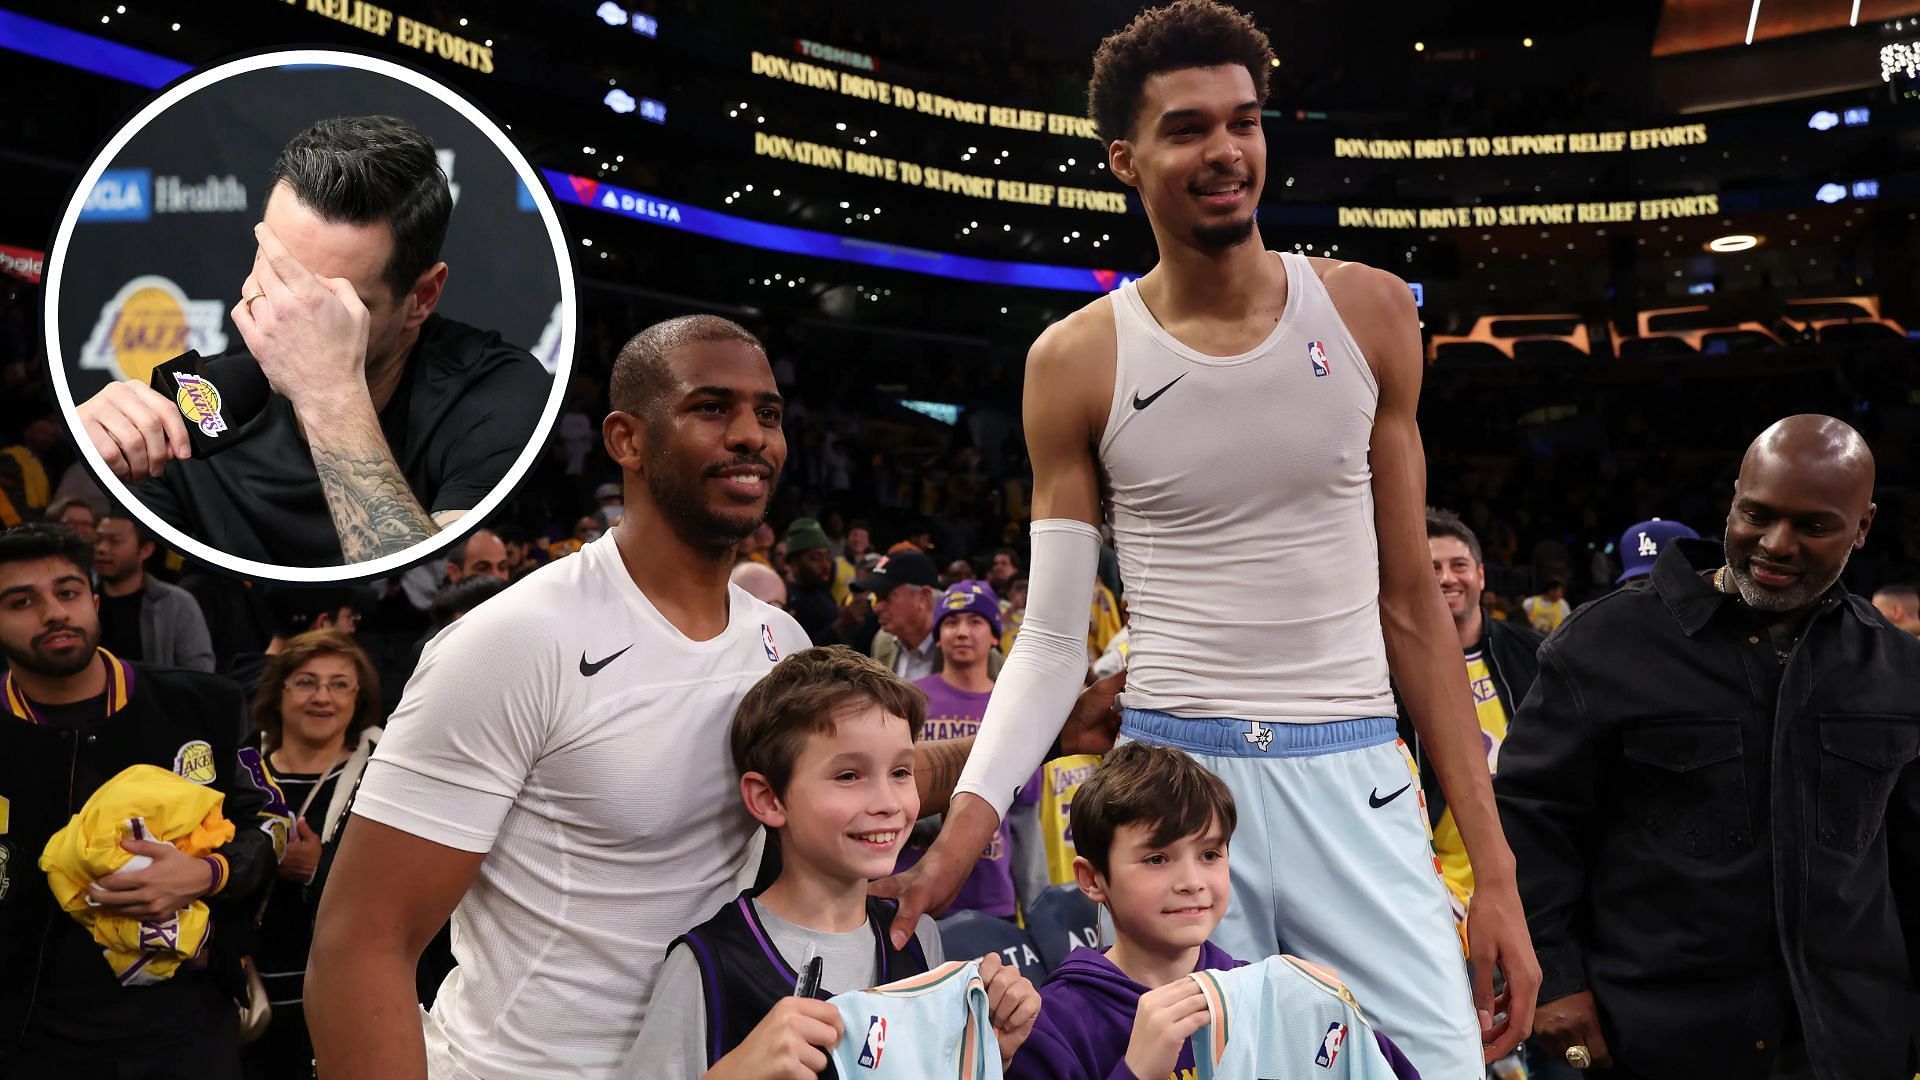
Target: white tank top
{"x": 1242, "y": 509}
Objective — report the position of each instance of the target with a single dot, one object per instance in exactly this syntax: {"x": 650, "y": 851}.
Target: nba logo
{"x": 1330, "y": 1045}
{"x": 766, "y": 638}
{"x": 1318, "y": 356}
{"x": 876, "y": 1043}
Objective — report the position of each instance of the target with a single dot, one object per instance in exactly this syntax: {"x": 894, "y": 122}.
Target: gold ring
{"x": 248, "y": 302}
{"x": 1579, "y": 1057}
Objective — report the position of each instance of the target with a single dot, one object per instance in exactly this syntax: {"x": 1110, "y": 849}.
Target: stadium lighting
{"x": 1737, "y": 242}
{"x": 1854, "y": 19}
{"x": 612, "y": 14}
{"x": 1419, "y": 46}
{"x": 1526, "y": 43}
{"x": 1753, "y": 19}
{"x": 1899, "y": 59}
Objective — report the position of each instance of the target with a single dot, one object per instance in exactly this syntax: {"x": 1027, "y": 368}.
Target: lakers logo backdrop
{"x": 164, "y": 238}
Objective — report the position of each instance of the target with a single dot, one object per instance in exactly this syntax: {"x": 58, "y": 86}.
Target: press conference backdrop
{"x": 166, "y": 237}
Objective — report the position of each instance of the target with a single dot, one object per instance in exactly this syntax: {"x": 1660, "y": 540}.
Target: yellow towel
{"x": 148, "y": 802}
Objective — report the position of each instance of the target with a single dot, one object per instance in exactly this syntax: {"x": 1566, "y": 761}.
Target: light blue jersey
{"x": 1285, "y": 1019}
{"x": 927, "y": 1027}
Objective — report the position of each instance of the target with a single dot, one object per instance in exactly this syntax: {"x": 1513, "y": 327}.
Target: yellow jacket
{"x": 144, "y": 802}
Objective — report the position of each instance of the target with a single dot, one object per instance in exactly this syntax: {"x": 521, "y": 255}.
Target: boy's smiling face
{"x": 1164, "y": 897}
{"x": 852, "y": 798}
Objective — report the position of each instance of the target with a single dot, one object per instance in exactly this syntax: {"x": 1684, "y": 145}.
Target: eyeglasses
{"x": 307, "y": 686}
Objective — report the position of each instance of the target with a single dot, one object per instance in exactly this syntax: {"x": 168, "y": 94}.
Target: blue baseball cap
{"x": 1641, "y": 545}
{"x": 974, "y": 596}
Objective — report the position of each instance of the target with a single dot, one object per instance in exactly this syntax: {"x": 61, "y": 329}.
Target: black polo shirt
{"x": 466, "y": 406}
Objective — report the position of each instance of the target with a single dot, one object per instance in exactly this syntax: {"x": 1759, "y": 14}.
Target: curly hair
{"x": 1184, "y": 34}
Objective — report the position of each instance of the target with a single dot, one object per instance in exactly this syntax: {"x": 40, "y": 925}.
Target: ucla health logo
{"x": 120, "y": 195}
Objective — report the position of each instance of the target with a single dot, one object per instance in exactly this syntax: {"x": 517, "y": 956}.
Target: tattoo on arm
{"x": 373, "y": 509}
{"x": 937, "y": 768}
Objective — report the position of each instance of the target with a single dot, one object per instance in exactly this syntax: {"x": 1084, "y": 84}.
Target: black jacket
{"x": 52, "y": 975}
{"x": 1508, "y": 648}
{"x": 1713, "y": 842}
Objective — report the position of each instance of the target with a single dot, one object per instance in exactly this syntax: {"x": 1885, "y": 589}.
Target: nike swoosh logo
{"x": 1142, "y": 402}
{"x": 1374, "y": 800}
{"x": 590, "y": 670}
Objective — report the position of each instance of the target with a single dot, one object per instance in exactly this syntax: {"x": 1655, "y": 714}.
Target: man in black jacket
{"x": 1713, "y": 796}
{"x": 74, "y": 717}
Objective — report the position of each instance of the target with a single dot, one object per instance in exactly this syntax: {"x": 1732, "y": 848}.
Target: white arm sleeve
{"x": 1043, "y": 677}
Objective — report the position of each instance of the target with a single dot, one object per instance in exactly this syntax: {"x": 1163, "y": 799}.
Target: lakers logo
{"x": 148, "y": 322}
{"x": 958, "y": 601}
{"x": 194, "y": 761}
{"x": 199, "y": 402}
{"x": 277, "y": 828}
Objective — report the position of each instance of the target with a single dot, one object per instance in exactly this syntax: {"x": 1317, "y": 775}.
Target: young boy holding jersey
{"x": 1152, "y": 828}
{"x": 824, "y": 749}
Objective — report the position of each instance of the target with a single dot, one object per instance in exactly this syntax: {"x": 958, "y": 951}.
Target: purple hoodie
{"x": 1086, "y": 1018}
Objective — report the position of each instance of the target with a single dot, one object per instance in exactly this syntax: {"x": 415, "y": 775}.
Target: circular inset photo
{"x": 307, "y": 312}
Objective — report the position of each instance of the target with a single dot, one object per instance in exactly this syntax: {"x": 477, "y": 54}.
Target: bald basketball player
{"x": 1713, "y": 793}
{"x": 1251, "y": 414}
{"x": 558, "y": 777}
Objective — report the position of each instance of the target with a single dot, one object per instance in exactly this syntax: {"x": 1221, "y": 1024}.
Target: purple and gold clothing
{"x": 953, "y": 713}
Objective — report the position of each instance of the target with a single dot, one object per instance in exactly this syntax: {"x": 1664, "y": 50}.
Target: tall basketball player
{"x": 1250, "y": 416}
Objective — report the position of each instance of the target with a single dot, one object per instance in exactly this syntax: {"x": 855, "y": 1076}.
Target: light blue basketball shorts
{"x": 1332, "y": 861}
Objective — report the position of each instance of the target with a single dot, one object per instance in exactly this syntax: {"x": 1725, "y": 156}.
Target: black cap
{"x": 900, "y": 568}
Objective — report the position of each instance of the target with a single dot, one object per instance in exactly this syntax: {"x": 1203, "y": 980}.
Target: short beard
{"x": 678, "y": 493}
{"x": 1225, "y": 235}
{"x": 39, "y": 663}
{"x": 1799, "y": 596}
